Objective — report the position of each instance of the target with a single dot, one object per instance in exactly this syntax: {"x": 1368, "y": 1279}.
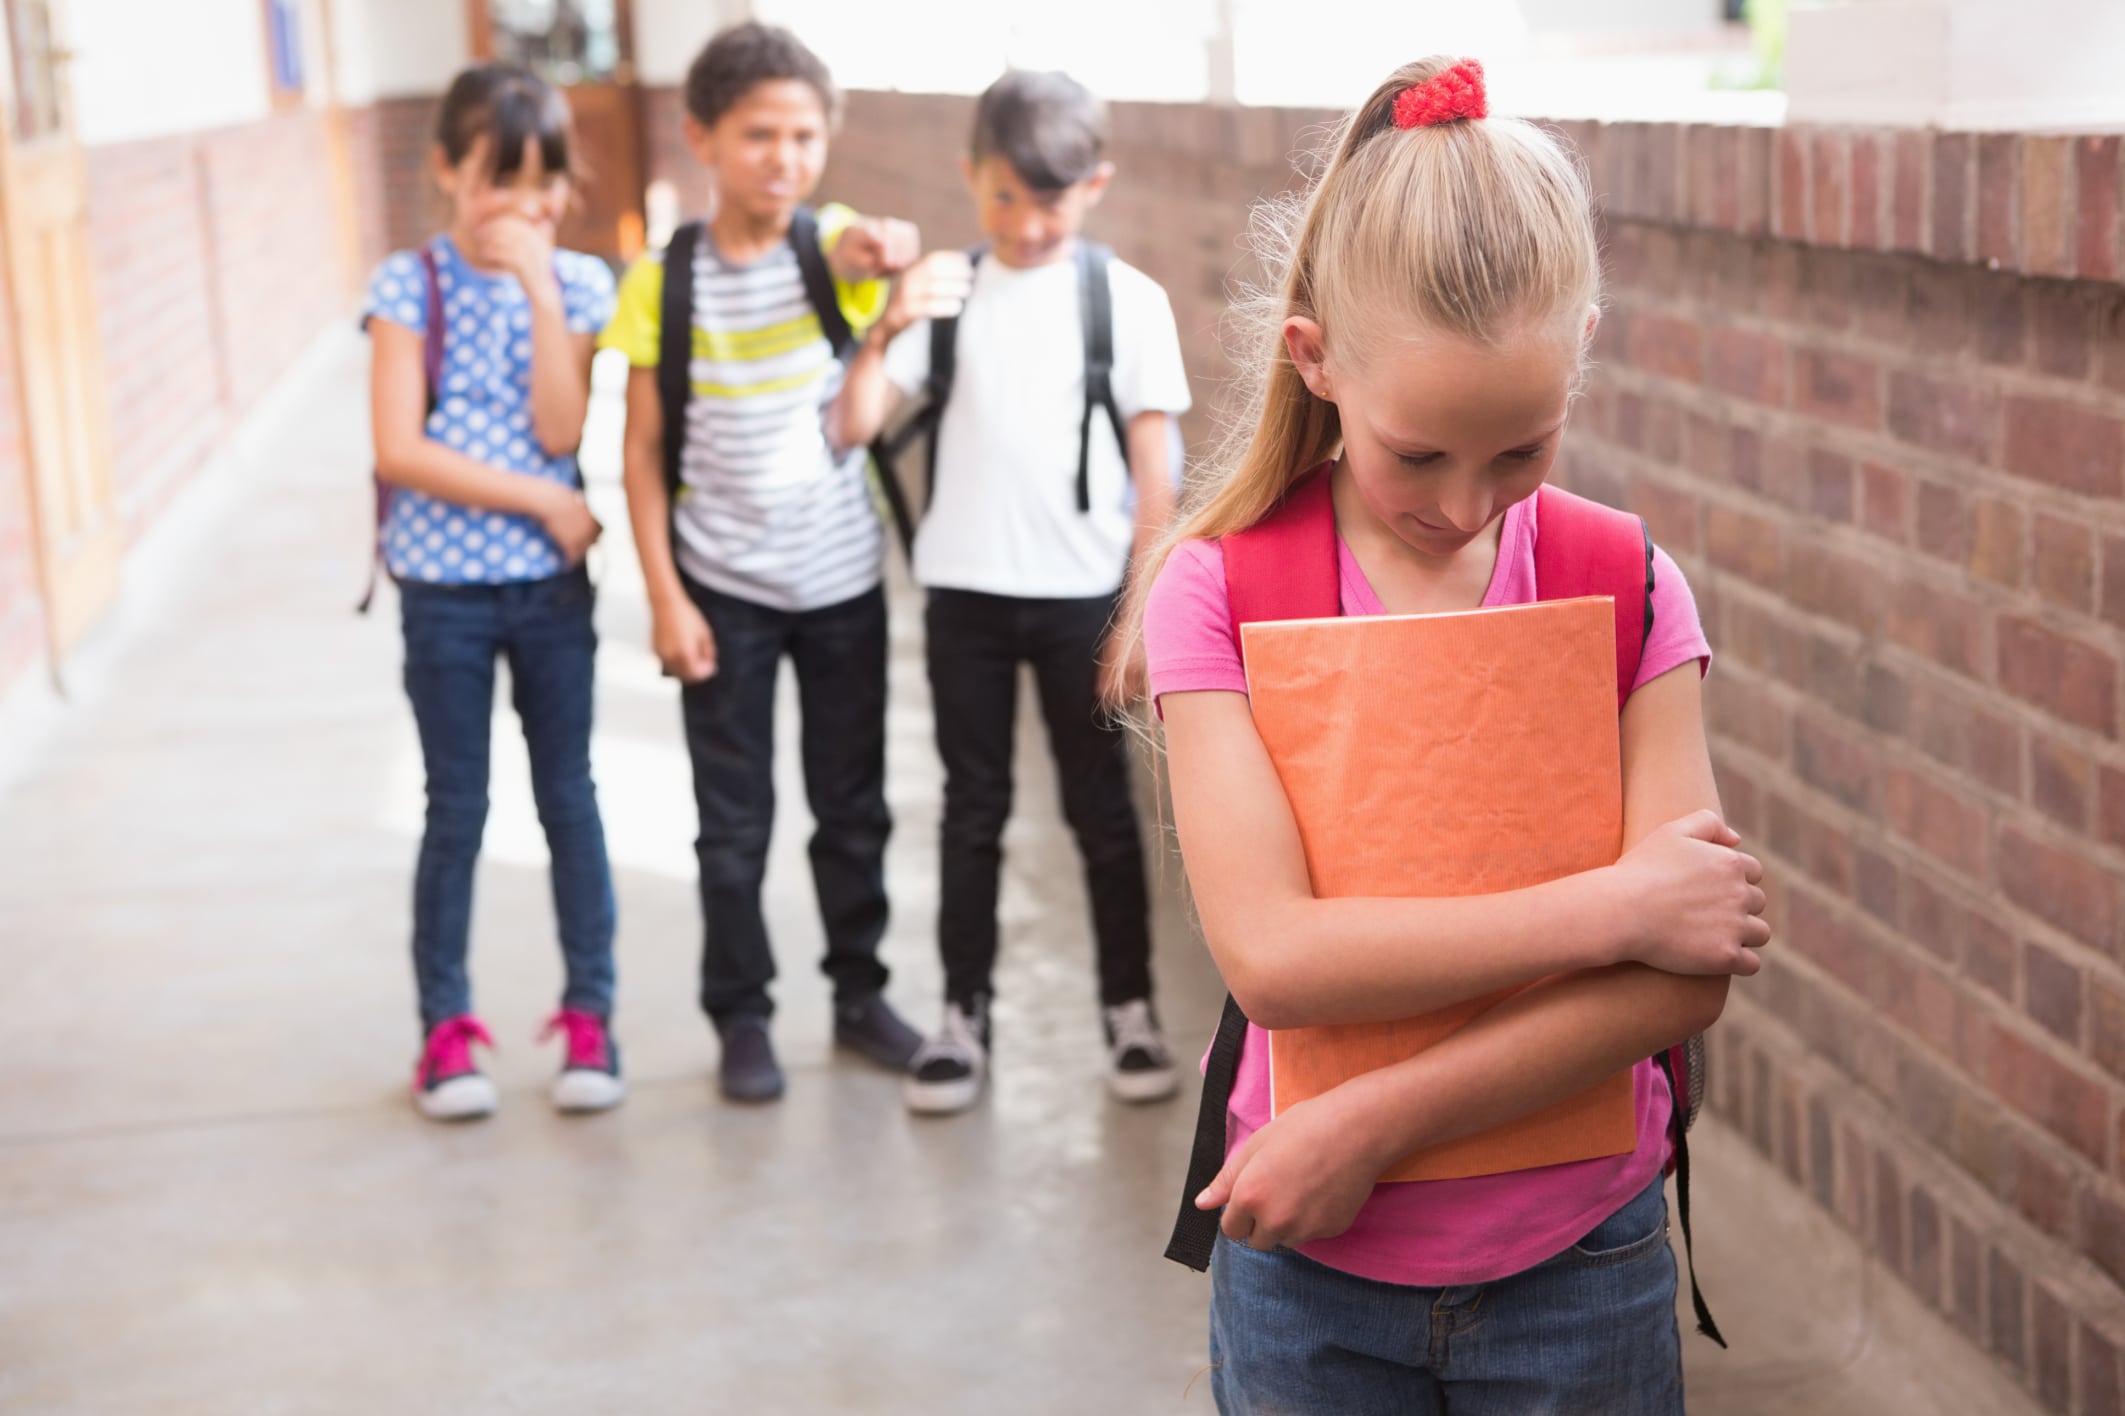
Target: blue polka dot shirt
{"x": 483, "y": 410}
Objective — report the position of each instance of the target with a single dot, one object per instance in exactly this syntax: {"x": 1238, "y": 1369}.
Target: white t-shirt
{"x": 1003, "y": 517}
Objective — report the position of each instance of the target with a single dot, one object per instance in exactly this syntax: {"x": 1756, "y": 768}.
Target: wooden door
{"x": 58, "y": 359}
{"x": 586, "y": 48}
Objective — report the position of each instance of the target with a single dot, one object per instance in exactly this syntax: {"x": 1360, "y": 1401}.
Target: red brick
{"x": 2069, "y": 1105}
{"x": 1838, "y": 388}
{"x": 1958, "y": 417}
{"x": 1998, "y": 313}
{"x": 1792, "y": 185}
{"x": 1924, "y": 1254}
{"x": 2059, "y": 780}
{"x": 2113, "y": 607}
{"x": 1994, "y": 752}
{"x": 1966, "y": 1287}
{"x": 1907, "y": 199}
{"x": 1943, "y": 522}
{"x": 2102, "y": 1393}
{"x": 1764, "y": 641}
{"x": 2006, "y": 1308}
{"x": 2103, "y": 1240}
{"x": 1748, "y": 545}
{"x": 2062, "y": 887}
{"x": 1879, "y": 886}
{"x": 1704, "y": 447}
{"x": 1954, "y": 182}
{"x": 1885, "y": 501}
{"x": 1747, "y": 365}
{"x": 2106, "y": 1023}
{"x": 2051, "y": 984}
{"x": 2065, "y": 446}
{"x": 2110, "y": 806}
{"x": 2062, "y": 328}
{"x": 2096, "y": 206}
{"x": 1996, "y": 541}
{"x": 2047, "y": 186}
{"x": 1753, "y": 179}
{"x": 1830, "y": 215}
{"x": 1668, "y": 347}
{"x": 1989, "y": 960}
{"x": 1738, "y": 708}
{"x": 1670, "y": 514}
{"x": 1832, "y": 492}
{"x": 1836, "y": 586}
{"x": 1945, "y": 627}
{"x": 1867, "y": 191}
{"x": 1937, "y": 308}
{"x": 1833, "y": 763}
{"x": 2072, "y": 680}
{"x": 1998, "y": 177}
{"x": 1935, "y": 819}
{"x": 2065, "y": 563}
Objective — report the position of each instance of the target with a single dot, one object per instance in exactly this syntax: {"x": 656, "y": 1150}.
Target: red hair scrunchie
{"x": 1449, "y": 95}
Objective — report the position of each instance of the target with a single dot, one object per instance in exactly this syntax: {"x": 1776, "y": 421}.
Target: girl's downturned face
{"x": 1441, "y": 434}
{"x": 530, "y": 193}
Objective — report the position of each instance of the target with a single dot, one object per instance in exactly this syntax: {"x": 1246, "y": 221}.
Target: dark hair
{"x": 1048, "y": 126}
{"x": 748, "y": 54}
{"x": 509, "y": 107}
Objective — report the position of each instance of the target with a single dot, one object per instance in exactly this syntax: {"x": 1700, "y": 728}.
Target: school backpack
{"x": 1285, "y": 568}
{"x": 432, "y": 367}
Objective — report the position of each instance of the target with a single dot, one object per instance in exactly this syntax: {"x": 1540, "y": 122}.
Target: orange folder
{"x": 1445, "y": 755}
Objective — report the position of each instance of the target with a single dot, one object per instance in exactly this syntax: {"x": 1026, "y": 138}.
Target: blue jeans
{"x": 454, "y": 634}
{"x": 1592, "y": 1329}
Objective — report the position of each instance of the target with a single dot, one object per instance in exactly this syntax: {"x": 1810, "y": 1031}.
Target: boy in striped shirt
{"x": 772, "y": 547}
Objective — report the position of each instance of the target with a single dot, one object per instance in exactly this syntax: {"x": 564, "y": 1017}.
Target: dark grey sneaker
{"x": 946, "y": 1076}
{"x": 872, "y": 1028}
{"x": 749, "y": 1071}
{"x": 1139, "y": 1063}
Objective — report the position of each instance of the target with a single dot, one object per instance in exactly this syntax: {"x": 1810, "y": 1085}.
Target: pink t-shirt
{"x": 1431, "y": 1233}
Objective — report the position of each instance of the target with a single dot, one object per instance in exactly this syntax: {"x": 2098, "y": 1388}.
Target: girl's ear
{"x": 1593, "y": 322}
{"x": 1309, "y": 354}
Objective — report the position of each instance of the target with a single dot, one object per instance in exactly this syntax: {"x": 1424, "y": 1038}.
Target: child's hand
{"x": 1301, "y": 1177}
{"x": 935, "y": 288}
{"x": 875, "y": 246}
{"x": 522, "y": 248}
{"x": 567, "y": 519}
{"x": 683, "y": 642}
{"x": 1695, "y": 902}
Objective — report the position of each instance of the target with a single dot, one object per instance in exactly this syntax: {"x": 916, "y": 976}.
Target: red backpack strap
{"x": 1584, "y": 548}
{"x": 1284, "y": 566}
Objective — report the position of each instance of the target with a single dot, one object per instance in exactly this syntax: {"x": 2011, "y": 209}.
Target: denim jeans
{"x": 1591, "y": 1330}
{"x": 976, "y": 644}
{"x": 839, "y": 653}
{"x": 454, "y": 635}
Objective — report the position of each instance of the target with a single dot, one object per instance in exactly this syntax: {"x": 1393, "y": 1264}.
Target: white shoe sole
{"x": 941, "y": 1098}
{"x": 1141, "y": 1087}
{"x": 583, "y": 1090}
{"x": 466, "y": 1098}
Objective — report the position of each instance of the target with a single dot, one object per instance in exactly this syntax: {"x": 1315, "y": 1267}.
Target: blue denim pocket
{"x": 1637, "y": 1229}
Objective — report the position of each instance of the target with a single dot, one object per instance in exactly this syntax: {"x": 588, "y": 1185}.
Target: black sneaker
{"x": 1139, "y": 1064}
{"x": 871, "y": 1027}
{"x": 749, "y": 1071}
{"x": 947, "y": 1073}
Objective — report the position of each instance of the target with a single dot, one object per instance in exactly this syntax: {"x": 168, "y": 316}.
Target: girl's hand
{"x": 935, "y": 288}
{"x": 1695, "y": 903}
{"x": 1301, "y": 1177}
{"x": 525, "y": 250}
{"x": 683, "y": 642}
{"x": 875, "y": 246}
{"x": 566, "y": 517}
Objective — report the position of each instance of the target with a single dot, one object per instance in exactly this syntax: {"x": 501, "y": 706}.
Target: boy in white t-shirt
{"x": 1029, "y": 535}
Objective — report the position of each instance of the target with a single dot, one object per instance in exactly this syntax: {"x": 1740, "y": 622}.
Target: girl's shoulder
{"x": 398, "y": 290}
{"x": 583, "y": 269}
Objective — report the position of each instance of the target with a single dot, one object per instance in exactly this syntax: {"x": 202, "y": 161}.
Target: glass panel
{"x": 285, "y": 37}
{"x": 563, "y": 41}
{"x": 36, "y": 111}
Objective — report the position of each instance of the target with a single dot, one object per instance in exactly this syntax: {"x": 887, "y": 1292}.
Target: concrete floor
{"x": 213, "y": 1194}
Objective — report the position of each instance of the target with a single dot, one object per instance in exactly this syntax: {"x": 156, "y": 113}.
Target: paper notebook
{"x": 1446, "y": 755}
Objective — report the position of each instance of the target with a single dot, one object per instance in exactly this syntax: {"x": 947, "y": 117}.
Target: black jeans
{"x": 976, "y": 643}
{"x": 840, "y": 656}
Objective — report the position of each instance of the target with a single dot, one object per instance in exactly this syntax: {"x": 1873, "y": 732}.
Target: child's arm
{"x": 560, "y": 357}
{"x": 407, "y": 457}
{"x": 679, "y": 632}
{"x": 1681, "y": 899}
{"x": 935, "y": 287}
{"x": 1304, "y": 1175}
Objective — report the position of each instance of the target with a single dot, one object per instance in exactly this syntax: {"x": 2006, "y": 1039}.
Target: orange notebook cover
{"x": 1446, "y": 755}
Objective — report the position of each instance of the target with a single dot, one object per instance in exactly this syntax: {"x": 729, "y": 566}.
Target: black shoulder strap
{"x": 819, "y": 282}
{"x": 1195, "y": 1230}
{"x": 675, "y": 347}
{"x": 1096, "y": 301}
{"x": 927, "y": 418}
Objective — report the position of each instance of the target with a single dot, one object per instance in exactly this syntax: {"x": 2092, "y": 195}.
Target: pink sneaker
{"x": 590, "y": 1073}
{"x": 448, "y": 1085}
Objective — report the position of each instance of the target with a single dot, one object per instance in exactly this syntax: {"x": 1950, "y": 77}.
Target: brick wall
{"x": 394, "y": 186}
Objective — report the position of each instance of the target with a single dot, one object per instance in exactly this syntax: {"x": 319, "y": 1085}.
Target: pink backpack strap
{"x": 1584, "y": 548}
{"x": 1284, "y": 567}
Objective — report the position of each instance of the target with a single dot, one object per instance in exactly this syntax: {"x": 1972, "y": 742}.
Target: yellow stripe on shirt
{"x": 752, "y": 345}
{"x": 766, "y": 386}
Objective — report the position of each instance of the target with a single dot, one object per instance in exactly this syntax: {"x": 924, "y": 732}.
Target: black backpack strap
{"x": 1096, "y": 302}
{"x": 1681, "y": 1134}
{"x": 925, "y": 422}
{"x": 1195, "y": 1230}
{"x": 819, "y": 282}
{"x": 675, "y": 348}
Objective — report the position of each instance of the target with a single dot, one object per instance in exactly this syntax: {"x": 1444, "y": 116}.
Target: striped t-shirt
{"x": 767, "y": 512}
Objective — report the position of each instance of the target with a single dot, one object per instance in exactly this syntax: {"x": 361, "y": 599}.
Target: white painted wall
{"x": 145, "y": 68}
{"x": 398, "y": 48}
{"x": 669, "y": 33}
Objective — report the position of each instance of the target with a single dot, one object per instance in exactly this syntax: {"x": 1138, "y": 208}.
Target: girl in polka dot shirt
{"x": 485, "y": 530}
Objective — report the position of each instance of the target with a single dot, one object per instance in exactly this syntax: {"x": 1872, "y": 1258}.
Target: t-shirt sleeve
{"x": 1149, "y": 376}
{"x": 1677, "y": 636}
{"x": 907, "y": 359}
{"x": 586, "y": 294}
{"x": 862, "y": 301}
{"x": 398, "y": 292}
{"x": 638, "y": 319}
{"x": 1188, "y": 642}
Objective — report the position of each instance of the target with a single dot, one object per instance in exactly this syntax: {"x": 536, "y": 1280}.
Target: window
{"x": 284, "y": 51}
{"x": 565, "y": 42}
{"x": 35, "y": 111}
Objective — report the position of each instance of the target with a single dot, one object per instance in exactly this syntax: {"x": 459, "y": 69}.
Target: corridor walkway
{"x": 214, "y": 1197}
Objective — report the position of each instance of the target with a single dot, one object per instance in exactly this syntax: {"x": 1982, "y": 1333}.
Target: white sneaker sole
{"x": 583, "y": 1090}
{"x": 941, "y": 1098}
{"x": 1139, "y": 1087}
{"x": 466, "y": 1098}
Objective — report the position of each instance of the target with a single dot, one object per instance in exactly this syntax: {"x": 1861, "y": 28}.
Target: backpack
{"x": 432, "y": 367}
{"x": 1096, "y": 308}
{"x": 1285, "y": 567}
